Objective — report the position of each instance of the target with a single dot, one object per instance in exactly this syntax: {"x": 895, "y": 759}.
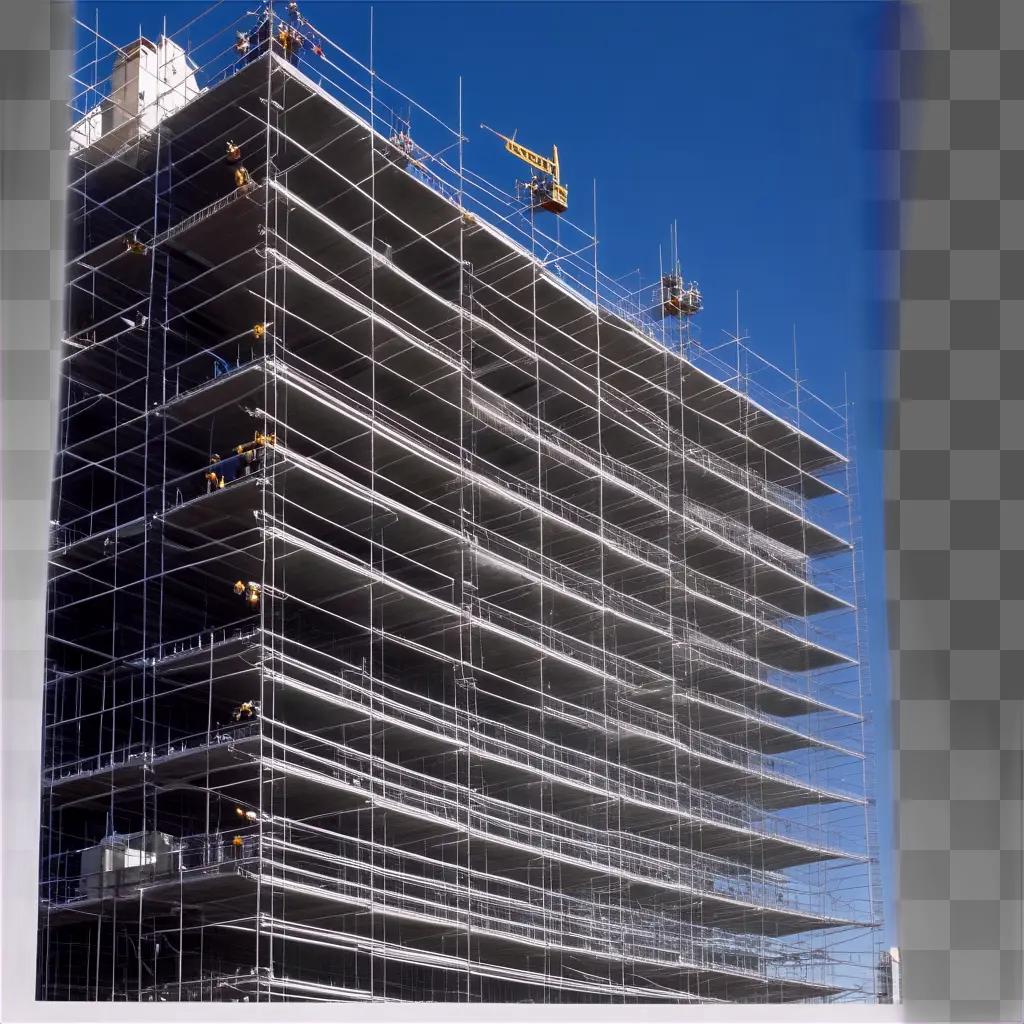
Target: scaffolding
{"x": 430, "y": 617}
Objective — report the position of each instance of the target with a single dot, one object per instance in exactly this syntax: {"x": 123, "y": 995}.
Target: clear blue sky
{"x": 743, "y": 122}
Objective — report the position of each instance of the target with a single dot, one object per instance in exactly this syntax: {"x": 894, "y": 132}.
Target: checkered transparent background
{"x": 33, "y": 156}
{"x": 955, "y": 506}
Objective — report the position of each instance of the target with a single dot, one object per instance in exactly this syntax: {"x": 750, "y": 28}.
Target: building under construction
{"x": 430, "y": 616}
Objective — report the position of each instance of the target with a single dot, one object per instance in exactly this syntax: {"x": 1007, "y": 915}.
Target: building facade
{"x": 427, "y": 621}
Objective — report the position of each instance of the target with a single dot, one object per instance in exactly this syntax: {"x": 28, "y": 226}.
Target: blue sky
{"x": 745, "y": 123}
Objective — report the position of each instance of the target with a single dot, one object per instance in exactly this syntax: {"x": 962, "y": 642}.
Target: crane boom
{"x": 541, "y": 163}
{"x": 556, "y": 194}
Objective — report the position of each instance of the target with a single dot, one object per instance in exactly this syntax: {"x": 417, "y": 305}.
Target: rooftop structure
{"x": 429, "y": 617}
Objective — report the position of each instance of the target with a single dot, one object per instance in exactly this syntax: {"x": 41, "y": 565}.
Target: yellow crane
{"x": 548, "y": 192}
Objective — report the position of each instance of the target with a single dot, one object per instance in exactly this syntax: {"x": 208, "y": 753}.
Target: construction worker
{"x": 259, "y": 331}
{"x": 251, "y": 591}
{"x": 242, "y": 179}
{"x": 403, "y": 141}
{"x": 253, "y": 44}
{"x": 290, "y": 41}
{"x": 236, "y": 847}
{"x": 133, "y": 245}
{"x": 295, "y": 20}
{"x": 245, "y": 711}
{"x": 212, "y": 476}
{"x": 234, "y": 153}
{"x": 243, "y": 461}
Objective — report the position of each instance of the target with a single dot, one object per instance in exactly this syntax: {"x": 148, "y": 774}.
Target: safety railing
{"x": 142, "y": 754}
{"x": 498, "y": 412}
{"x": 636, "y": 546}
{"x": 402, "y": 885}
{"x": 568, "y": 764}
{"x": 630, "y": 674}
{"x": 389, "y": 880}
{"x": 64, "y": 881}
{"x": 683, "y": 448}
{"x": 425, "y": 793}
{"x": 621, "y": 712}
